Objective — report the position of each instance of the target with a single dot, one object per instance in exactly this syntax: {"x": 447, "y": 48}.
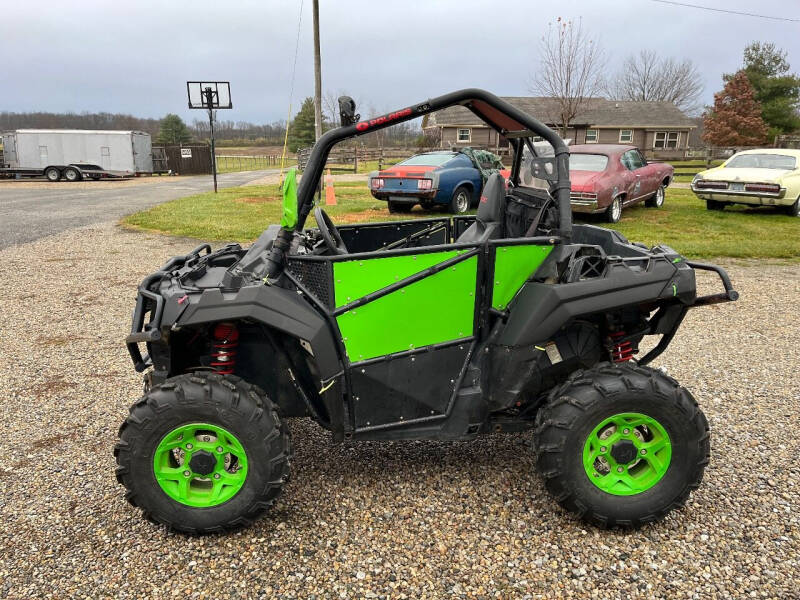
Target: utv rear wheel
{"x": 714, "y": 205}
{"x": 614, "y": 211}
{"x": 203, "y": 453}
{"x": 657, "y": 200}
{"x": 459, "y": 203}
{"x": 621, "y": 445}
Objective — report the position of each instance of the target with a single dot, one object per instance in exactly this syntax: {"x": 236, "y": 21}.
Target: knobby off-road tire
{"x": 234, "y": 437}
{"x": 566, "y": 434}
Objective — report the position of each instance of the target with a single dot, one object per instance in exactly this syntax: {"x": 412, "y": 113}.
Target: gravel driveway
{"x": 399, "y": 520}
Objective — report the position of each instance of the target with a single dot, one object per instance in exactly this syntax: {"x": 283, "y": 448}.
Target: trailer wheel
{"x": 52, "y": 174}
{"x": 72, "y": 174}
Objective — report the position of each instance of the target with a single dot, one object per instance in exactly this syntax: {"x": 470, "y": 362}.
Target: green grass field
{"x": 242, "y": 213}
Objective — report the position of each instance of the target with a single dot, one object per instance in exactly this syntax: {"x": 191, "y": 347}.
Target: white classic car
{"x": 767, "y": 177}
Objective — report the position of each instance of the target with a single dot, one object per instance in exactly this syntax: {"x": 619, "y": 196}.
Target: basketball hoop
{"x": 211, "y": 96}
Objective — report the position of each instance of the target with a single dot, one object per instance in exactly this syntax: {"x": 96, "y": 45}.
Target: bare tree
{"x": 645, "y": 76}
{"x": 570, "y": 69}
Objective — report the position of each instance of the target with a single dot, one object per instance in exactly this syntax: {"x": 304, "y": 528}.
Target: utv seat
{"x": 488, "y": 223}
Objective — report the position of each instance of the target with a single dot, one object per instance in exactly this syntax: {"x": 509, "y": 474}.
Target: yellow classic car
{"x": 767, "y": 177}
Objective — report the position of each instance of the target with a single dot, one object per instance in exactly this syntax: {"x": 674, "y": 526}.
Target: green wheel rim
{"x": 173, "y": 471}
{"x": 613, "y": 436}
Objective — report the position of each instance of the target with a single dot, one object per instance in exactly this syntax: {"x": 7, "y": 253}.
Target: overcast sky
{"x": 134, "y": 57}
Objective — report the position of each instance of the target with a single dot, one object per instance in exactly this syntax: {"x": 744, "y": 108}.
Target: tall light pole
{"x": 317, "y": 75}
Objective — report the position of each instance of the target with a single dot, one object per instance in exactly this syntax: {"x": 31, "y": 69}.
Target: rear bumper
{"x": 585, "y": 205}
{"x": 405, "y": 197}
{"x": 736, "y": 197}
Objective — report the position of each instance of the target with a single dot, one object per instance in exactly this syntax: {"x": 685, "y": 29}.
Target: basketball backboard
{"x": 209, "y": 94}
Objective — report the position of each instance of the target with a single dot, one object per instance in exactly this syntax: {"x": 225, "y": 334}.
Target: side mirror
{"x": 347, "y": 111}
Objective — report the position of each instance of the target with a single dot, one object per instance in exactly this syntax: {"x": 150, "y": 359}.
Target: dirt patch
{"x": 256, "y": 199}
{"x": 52, "y": 440}
{"x": 50, "y": 385}
{"x": 361, "y": 216}
{"x": 55, "y": 340}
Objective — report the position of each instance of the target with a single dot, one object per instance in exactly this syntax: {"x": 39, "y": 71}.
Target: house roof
{"x": 596, "y": 112}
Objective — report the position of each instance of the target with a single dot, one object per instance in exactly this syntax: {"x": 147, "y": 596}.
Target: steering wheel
{"x": 329, "y": 233}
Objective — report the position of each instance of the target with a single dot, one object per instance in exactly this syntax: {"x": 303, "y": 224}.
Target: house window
{"x": 591, "y": 136}
{"x": 464, "y": 135}
{"x": 666, "y": 139}
{"x": 625, "y": 135}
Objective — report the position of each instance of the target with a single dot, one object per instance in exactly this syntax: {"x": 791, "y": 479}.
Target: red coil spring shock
{"x": 223, "y": 356}
{"x": 620, "y": 351}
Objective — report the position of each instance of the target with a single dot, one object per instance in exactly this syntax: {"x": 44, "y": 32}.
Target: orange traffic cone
{"x": 330, "y": 195}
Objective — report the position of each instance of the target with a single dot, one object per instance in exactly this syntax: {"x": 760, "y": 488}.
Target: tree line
{"x": 757, "y": 103}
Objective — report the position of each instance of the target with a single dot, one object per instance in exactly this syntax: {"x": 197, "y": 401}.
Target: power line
{"x": 725, "y": 10}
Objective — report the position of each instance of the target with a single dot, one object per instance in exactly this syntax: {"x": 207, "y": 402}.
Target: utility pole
{"x": 317, "y": 76}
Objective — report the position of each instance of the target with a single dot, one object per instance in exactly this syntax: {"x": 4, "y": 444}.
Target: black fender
{"x": 275, "y": 307}
{"x": 541, "y": 309}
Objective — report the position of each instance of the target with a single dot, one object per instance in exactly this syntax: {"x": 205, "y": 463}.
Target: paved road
{"x": 29, "y": 211}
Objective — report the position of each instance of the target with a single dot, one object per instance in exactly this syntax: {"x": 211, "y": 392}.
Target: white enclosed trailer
{"x": 72, "y": 153}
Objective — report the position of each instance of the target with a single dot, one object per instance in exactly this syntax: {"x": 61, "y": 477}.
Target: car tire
{"x": 400, "y": 207}
{"x": 614, "y": 211}
{"x": 194, "y": 487}
{"x": 72, "y": 174}
{"x": 52, "y": 174}
{"x": 657, "y": 200}
{"x": 659, "y": 444}
{"x": 460, "y": 201}
{"x": 794, "y": 209}
{"x": 714, "y": 205}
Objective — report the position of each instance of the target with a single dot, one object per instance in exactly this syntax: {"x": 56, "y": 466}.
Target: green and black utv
{"x": 440, "y": 329}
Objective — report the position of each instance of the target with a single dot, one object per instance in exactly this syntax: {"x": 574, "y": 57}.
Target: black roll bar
{"x": 497, "y": 113}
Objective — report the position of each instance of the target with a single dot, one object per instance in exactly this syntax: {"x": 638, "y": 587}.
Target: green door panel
{"x": 356, "y": 278}
{"x": 513, "y": 265}
{"x": 436, "y": 309}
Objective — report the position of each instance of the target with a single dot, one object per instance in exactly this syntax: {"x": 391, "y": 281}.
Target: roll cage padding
{"x": 498, "y": 114}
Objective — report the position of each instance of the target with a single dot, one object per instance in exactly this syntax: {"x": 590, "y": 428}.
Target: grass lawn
{"x": 242, "y": 213}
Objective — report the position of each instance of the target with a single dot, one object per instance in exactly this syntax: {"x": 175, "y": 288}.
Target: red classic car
{"x": 607, "y": 177}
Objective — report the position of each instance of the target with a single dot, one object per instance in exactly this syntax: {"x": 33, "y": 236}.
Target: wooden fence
{"x": 347, "y": 160}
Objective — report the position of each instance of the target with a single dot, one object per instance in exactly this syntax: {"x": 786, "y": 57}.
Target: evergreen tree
{"x": 173, "y": 131}
{"x": 776, "y": 88}
{"x": 736, "y": 118}
{"x": 301, "y": 129}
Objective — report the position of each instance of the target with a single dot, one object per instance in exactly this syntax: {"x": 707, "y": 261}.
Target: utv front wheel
{"x": 621, "y": 445}
{"x": 203, "y": 453}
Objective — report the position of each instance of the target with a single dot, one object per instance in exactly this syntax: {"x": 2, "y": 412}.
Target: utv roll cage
{"x": 510, "y": 122}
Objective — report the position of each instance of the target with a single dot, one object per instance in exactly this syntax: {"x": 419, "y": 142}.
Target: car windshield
{"x": 587, "y": 162}
{"x": 762, "y": 161}
{"x": 427, "y": 160}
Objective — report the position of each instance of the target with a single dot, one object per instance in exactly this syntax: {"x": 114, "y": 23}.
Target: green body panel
{"x": 436, "y": 309}
{"x": 513, "y": 266}
{"x": 356, "y": 278}
{"x": 289, "y": 217}
{"x": 653, "y": 454}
